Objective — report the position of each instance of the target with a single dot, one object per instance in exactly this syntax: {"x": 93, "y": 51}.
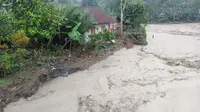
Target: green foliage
{"x": 6, "y": 26}
{"x": 12, "y": 60}
{"x": 144, "y": 33}
{"x": 39, "y": 20}
{"x": 19, "y": 39}
{"x": 20, "y": 53}
{"x": 109, "y": 6}
{"x": 135, "y": 15}
{"x": 6, "y": 81}
{"x": 101, "y": 40}
{"x": 3, "y": 46}
{"x": 42, "y": 21}
{"x": 135, "y": 20}
{"x": 71, "y": 15}
{"x": 8, "y": 64}
{"x": 37, "y": 23}
{"x": 75, "y": 22}
{"x": 139, "y": 34}
{"x": 89, "y": 2}
{"x": 173, "y": 10}
{"x": 54, "y": 51}
{"x": 74, "y": 34}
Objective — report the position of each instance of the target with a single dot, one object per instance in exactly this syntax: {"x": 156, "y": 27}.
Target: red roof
{"x": 99, "y": 16}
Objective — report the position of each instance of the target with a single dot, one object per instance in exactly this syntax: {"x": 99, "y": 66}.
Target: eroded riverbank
{"x": 135, "y": 80}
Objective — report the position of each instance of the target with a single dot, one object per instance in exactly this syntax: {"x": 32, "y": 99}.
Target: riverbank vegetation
{"x": 29, "y": 27}
{"x": 162, "y": 11}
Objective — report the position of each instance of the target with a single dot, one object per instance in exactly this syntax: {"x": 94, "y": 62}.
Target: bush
{"x": 5, "y": 63}
{"x": 38, "y": 19}
{"x": 42, "y": 21}
{"x": 135, "y": 21}
{"x": 135, "y": 15}
{"x": 140, "y": 36}
{"x": 8, "y": 64}
{"x": 37, "y": 23}
{"x": 101, "y": 40}
{"x": 6, "y": 26}
{"x": 19, "y": 39}
{"x": 3, "y": 46}
{"x": 74, "y": 19}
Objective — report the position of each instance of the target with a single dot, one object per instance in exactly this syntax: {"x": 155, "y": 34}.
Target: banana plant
{"x": 75, "y": 34}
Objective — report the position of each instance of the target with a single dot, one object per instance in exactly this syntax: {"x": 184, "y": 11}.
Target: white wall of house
{"x": 98, "y": 29}
{"x": 106, "y": 25}
{"x": 87, "y": 35}
{"x": 113, "y": 25}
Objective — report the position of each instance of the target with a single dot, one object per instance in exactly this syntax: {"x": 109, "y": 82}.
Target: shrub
{"x": 19, "y": 39}
{"x": 101, "y": 40}
{"x": 42, "y": 21}
{"x": 74, "y": 19}
{"x": 20, "y": 53}
{"x": 135, "y": 21}
{"x": 11, "y": 61}
{"x": 8, "y": 64}
{"x": 38, "y": 19}
{"x": 3, "y": 46}
{"x": 5, "y": 63}
{"x": 135, "y": 15}
{"x": 6, "y": 26}
{"x": 74, "y": 34}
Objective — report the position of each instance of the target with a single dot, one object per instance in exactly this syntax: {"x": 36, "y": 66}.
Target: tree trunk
{"x": 122, "y": 18}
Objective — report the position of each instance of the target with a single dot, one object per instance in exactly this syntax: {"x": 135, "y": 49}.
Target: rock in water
{"x": 64, "y": 72}
{"x": 152, "y": 36}
{"x": 60, "y": 72}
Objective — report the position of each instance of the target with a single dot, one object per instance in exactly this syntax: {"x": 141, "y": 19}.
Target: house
{"x": 101, "y": 21}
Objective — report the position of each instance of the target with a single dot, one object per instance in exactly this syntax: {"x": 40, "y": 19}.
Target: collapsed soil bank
{"x": 35, "y": 77}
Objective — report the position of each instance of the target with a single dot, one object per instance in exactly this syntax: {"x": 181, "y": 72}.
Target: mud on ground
{"x": 28, "y": 82}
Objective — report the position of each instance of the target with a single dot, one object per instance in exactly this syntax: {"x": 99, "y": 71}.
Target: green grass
{"x": 6, "y": 81}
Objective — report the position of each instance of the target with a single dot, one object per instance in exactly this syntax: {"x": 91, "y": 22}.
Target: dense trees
{"x": 37, "y": 24}
{"x": 134, "y": 11}
{"x": 173, "y": 10}
{"x": 159, "y": 10}
{"x": 41, "y": 21}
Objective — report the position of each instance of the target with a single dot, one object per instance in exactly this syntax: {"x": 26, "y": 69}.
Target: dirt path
{"x": 161, "y": 77}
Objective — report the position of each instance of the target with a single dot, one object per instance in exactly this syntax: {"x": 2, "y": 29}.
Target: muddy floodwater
{"x": 160, "y": 77}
